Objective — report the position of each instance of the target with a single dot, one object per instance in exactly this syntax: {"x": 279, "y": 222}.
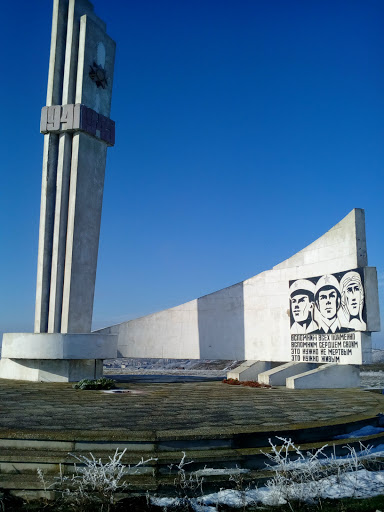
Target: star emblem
{"x": 326, "y": 279}
{"x": 98, "y": 75}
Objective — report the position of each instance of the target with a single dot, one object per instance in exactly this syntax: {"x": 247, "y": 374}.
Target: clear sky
{"x": 245, "y": 130}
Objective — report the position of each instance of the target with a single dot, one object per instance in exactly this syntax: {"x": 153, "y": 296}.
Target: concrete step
{"x": 18, "y": 466}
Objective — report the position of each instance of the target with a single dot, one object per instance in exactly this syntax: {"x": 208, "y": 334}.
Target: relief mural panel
{"x": 327, "y": 314}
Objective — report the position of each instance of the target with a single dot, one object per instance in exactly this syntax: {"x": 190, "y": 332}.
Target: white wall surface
{"x": 249, "y": 320}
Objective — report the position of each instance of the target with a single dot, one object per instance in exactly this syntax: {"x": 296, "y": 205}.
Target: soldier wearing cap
{"x": 302, "y": 306}
{"x": 328, "y": 301}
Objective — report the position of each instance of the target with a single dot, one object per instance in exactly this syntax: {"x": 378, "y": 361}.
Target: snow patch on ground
{"x": 377, "y": 356}
{"x": 378, "y": 450}
{"x": 213, "y": 472}
{"x": 368, "y": 430}
{"x": 357, "y": 484}
{"x": 308, "y": 478}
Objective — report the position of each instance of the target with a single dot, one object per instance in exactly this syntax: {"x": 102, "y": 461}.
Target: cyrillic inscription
{"x": 344, "y": 348}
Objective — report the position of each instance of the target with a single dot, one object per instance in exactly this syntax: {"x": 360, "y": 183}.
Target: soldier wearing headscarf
{"x": 352, "y": 300}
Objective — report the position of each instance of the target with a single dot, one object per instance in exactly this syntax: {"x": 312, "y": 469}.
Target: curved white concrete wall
{"x": 249, "y": 320}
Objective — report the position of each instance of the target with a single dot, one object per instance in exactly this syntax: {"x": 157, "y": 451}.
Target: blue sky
{"x": 245, "y": 130}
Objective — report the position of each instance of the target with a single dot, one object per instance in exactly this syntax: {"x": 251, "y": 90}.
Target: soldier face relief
{"x": 353, "y": 298}
{"x": 328, "y": 303}
{"x": 301, "y": 307}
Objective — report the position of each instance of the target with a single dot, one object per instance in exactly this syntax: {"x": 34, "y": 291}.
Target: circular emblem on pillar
{"x": 98, "y": 75}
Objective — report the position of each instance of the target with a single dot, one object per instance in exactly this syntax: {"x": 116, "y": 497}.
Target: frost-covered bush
{"x": 301, "y": 477}
{"x": 188, "y": 486}
{"x": 297, "y": 479}
{"x": 94, "y": 484}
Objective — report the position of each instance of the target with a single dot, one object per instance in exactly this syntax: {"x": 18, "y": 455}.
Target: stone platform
{"x": 217, "y": 425}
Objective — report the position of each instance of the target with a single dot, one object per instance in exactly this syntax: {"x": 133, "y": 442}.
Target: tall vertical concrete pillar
{"x": 81, "y": 73}
{"x": 77, "y": 132}
{"x": 50, "y": 155}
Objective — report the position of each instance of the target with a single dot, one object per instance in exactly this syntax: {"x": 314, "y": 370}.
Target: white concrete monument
{"x": 77, "y": 131}
{"x": 311, "y": 312}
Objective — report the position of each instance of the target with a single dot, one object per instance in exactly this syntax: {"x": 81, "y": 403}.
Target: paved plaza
{"x": 186, "y": 407}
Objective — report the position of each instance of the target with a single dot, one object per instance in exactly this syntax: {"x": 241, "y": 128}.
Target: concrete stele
{"x": 50, "y": 155}
{"x": 50, "y": 163}
{"x": 73, "y": 173}
{"x": 75, "y": 11}
{"x": 86, "y": 186}
{"x": 80, "y": 70}
{"x": 251, "y": 320}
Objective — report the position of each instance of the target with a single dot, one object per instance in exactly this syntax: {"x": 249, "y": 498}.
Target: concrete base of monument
{"x": 326, "y": 376}
{"x": 55, "y": 357}
{"x": 250, "y": 370}
{"x": 298, "y": 375}
{"x": 23, "y": 345}
{"x": 51, "y": 370}
{"x": 278, "y": 375}
{"x": 311, "y": 376}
